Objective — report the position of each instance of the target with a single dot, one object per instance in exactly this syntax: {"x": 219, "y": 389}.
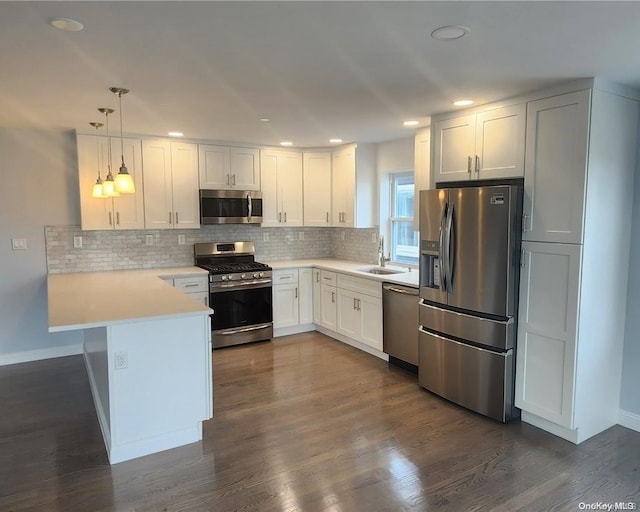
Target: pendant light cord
{"x": 121, "y": 140}
{"x": 106, "y": 114}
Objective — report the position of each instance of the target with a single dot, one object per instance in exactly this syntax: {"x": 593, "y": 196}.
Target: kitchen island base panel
{"x": 151, "y": 383}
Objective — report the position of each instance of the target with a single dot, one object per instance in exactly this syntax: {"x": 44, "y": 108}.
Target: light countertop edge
{"x": 84, "y": 300}
{"x": 351, "y": 268}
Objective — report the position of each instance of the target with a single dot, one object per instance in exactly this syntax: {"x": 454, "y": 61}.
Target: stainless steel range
{"x": 239, "y": 292}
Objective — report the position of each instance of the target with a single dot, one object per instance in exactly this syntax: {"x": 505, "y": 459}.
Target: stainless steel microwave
{"x": 230, "y": 207}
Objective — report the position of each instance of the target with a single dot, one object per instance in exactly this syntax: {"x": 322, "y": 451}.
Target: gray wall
{"x": 630, "y": 392}
{"x": 38, "y": 186}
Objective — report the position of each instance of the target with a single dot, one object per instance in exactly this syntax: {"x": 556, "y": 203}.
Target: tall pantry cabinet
{"x": 580, "y": 161}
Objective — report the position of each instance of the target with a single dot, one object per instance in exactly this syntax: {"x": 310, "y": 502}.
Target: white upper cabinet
{"x": 556, "y": 167}
{"x": 171, "y": 185}
{"x": 123, "y": 212}
{"x": 316, "y": 169}
{"x": 485, "y": 145}
{"x": 227, "y": 168}
{"x": 281, "y": 188}
{"x": 354, "y": 186}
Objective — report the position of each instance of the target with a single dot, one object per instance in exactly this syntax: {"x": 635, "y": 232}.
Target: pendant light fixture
{"x": 123, "y": 181}
{"x": 108, "y": 185}
{"x": 97, "y": 188}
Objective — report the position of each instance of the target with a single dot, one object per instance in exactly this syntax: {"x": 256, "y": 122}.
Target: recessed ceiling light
{"x": 450, "y": 32}
{"x": 265, "y": 119}
{"x": 176, "y": 134}
{"x": 463, "y": 103}
{"x": 411, "y": 123}
{"x": 286, "y": 143}
{"x": 335, "y": 141}
{"x": 66, "y": 24}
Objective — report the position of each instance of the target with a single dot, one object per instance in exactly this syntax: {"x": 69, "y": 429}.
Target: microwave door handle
{"x": 441, "y": 255}
{"x": 249, "y": 205}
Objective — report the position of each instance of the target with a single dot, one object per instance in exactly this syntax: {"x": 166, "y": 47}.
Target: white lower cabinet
{"x": 292, "y": 300}
{"x": 328, "y": 307}
{"x": 359, "y": 310}
{"x": 547, "y": 331}
{"x": 196, "y": 288}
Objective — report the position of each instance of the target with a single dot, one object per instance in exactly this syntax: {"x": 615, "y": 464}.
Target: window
{"x": 404, "y": 240}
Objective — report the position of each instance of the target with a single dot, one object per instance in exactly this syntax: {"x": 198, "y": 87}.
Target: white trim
{"x": 629, "y": 420}
{"x": 549, "y": 426}
{"x": 40, "y": 354}
{"x": 356, "y": 344}
{"x": 295, "y": 329}
{"x": 102, "y": 418}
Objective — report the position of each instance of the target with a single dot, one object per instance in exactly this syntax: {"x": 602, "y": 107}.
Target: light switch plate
{"x": 149, "y": 239}
{"x": 265, "y": 237}
{"x": 18, "y": 244}
{"x": 77, "y": 242}
{"x": 181, "y": 240}
{"x": 301, "y": 235}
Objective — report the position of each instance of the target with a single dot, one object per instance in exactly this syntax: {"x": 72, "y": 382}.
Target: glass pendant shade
{"x": 108, "y": 187}
{"x": 97, "y": 189}
{"x": 124, "y": 182}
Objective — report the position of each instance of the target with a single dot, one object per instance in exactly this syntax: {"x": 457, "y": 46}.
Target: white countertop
{"x": 351, "y": 267}
{"x": 94, "y": 299}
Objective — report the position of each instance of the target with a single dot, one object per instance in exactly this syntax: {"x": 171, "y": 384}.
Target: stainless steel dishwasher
{"x": 400, "y": 323}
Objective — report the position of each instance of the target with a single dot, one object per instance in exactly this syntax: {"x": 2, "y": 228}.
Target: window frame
{"x": 394, "y": 178}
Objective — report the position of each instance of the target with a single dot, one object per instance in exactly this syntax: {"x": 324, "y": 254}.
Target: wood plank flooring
{"x": 305, "y": 423}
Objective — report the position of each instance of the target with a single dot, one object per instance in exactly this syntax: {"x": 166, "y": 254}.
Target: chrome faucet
{"x": 381, "y": 259}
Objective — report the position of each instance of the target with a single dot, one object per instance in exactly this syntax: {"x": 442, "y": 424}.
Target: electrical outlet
{"x": 18, "y": 244}
{"x": 121, "y": 362}
{"x": 149, "y": 239}
{"x": 301, "y": 235}
{"x": 342, "y": 235}
{"x": 181, "y": 240}
{"x": 265, "y": 237}
{"x": 77, "y": 242}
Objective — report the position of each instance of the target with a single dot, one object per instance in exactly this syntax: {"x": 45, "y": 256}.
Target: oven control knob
{"x": 224, "y": 278}
{"x": 261, "y": 274}
{"x": 243, "y": 276}
{"x": 256, "y": 275}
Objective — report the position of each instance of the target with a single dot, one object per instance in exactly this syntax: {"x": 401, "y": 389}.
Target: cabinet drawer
{"x": 285, "y": 276}
{"x": 191, "y": 284}
{"x": 328, "y": 278}
{"x": 360, "y": 285}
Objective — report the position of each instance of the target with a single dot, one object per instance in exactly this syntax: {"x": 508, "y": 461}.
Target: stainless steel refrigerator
{"x": 469, "y": 272}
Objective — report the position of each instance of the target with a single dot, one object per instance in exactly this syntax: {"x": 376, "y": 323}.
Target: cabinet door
{"x": 555, "y": 168}
{"x": 201, "y": 297}
{"x": 370, "y": 312}
{"x": 328, "y": 309}
{"x": 317, "y": 297}
{"x": 317, "y": 188}
{"x": 343, "y": 164}
{"x": 213, "y": 167}
{"x": 96, "y": 213}
{"x": 348, "y": 317}
{"x": 158, "y": 204}
{"x": 245, "y": 168}
{"x": 500, "y": 143}
{"x": 290, "y": 188}
{"x": 547, "y": 329}
{"x": 129, "y": 208}
{"x": 271, "y": 209}
{"x": 285, "y": 305}
{"x": 305, "y": 296}
{"x": 184, "y": 173}
{"x": 455, "y": 144}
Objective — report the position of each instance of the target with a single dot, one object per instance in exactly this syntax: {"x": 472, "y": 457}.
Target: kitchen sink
{"x": 381, "y": 270}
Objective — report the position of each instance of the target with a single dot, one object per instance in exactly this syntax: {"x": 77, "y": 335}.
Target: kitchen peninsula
{"x": 147, "y": 352}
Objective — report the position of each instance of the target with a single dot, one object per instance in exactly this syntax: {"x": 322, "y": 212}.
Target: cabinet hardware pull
{"x": 469, "y": 165}
{"x": 177, "y": 221}
{"x": 228, "y": 179}
{"x": 524, "y": 222}
{"x": 191, "y": 285}
{"x": 285, "y": 216}
{"x": 110, "y": 219}
{"x": 296, "y": 293}
{"x": 169, "y": 217}
{"x": 333, "y": 297}
{"x": 234, "y": 180}
{"x": 317, "y": 277}
{"x": 359, "y": 304}
{"x": 279, "y": 216}
{"x": 355, "y": 303}
{"x": 118, "y": 218}
{"x": 522, "y": 258}
{"x": 477, "y": 164}
{"x": 327, "y": 217}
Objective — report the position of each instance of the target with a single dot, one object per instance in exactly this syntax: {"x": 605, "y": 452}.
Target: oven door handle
{"x": 247, "y": 285}
{"x": 242, "y": 329}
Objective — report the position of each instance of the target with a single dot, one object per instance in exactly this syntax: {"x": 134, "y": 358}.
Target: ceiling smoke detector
{"x": 450, "y": 32}
{"x": 66, "y": 24}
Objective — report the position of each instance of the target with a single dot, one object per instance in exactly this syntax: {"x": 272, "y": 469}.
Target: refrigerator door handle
{"x": 449, "y": 248}
{"x": 441, "y": 255}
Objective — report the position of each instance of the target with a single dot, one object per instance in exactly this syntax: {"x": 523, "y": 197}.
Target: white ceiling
{"x": 353, "y": 70}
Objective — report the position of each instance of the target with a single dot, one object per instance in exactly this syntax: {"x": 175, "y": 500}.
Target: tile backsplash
{"x": 118, "y": 250}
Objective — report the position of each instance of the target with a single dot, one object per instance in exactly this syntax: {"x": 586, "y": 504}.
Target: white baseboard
{"x": 296, "y": 329}
{"x": 629, "y": 420}
{"x": 43, "y": 353}
{"x": 353, "y": 343}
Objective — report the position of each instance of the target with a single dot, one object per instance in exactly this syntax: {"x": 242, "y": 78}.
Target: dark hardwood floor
{"x": 302, "y": 424}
